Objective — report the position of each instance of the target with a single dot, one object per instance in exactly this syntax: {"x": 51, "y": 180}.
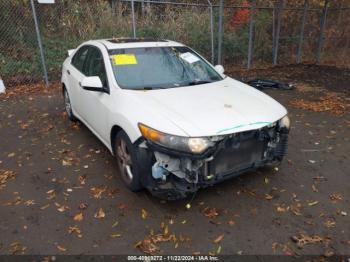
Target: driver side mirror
{"x": 92, "y": 83}
{"x": 220, "y": 69}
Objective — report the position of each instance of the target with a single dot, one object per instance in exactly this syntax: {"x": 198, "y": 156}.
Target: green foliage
{"x": 68, "y": 23}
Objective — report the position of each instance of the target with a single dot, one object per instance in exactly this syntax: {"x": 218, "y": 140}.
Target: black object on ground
{"x": 269, "y": 84}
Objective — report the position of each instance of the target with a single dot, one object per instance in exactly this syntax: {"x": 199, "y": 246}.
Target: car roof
{"x": 119, "y": 43}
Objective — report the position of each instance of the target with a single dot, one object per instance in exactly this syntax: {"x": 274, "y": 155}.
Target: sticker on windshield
{"x": 189, "y": 57}
{"x": 124, "y": 59}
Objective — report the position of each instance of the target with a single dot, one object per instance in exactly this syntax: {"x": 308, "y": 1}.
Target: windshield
{"x": 160, "y": 67}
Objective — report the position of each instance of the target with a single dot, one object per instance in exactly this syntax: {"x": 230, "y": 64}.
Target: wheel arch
{"x": 63, "y": 88}
{"x": 133, "y": 135}
{"x": 114, "y": 131}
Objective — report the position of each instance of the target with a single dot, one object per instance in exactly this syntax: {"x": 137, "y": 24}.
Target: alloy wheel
{"x": 124, "y": 161}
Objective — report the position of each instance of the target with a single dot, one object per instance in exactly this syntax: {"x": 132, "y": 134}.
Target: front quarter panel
{"x": 64, "y": 78}
{"x": 127, "y": 112}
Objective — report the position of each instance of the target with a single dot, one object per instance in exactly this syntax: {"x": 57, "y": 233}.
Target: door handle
{"x": 68, "y": 72}
{"x": 80, "y": 84}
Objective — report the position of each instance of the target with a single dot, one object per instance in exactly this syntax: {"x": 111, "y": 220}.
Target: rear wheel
{"x": 68, "y": 106}
{"x": 127, "y": 161}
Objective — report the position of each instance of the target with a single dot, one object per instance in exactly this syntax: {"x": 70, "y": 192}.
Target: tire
{"x": 68, "y": 106}
{"x": 129, "y": 169}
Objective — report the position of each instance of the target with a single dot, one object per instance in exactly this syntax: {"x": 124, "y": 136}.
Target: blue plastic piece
{"x": 159, "y": 172}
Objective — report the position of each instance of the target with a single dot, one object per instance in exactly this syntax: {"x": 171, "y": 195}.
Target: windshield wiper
{"x": 200, "y": 82}
{"x": 151, "y": 88}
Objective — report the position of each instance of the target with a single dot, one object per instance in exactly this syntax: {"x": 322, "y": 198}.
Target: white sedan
{"x": 174, "y": 122}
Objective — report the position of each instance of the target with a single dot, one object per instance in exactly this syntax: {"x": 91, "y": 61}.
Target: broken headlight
{"x": 285, "y": 122}
{"x": 196, "y": 145}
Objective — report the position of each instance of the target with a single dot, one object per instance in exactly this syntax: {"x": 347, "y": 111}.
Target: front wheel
{"x": 127, "y": 162}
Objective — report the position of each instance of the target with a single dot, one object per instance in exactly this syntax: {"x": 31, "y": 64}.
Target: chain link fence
{"x": 253, "y": 33}
{"x": 19, "y": 52}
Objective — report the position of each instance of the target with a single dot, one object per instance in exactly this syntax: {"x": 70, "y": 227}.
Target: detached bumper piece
{"x": 175, "y": 176}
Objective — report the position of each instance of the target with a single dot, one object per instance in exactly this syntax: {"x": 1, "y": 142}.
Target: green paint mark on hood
{"x": 239, "y": 126}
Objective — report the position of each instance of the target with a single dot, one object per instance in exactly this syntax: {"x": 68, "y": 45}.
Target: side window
{"x": 94, "y": 65}
{"x": 79, "y": 58}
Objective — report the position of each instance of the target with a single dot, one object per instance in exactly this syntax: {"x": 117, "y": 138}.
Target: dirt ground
{"x": 60, "y": 192}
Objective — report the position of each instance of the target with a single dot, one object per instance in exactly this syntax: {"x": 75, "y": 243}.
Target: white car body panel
{"x": 223, "y": 107}
{"x": 219, "y": 108}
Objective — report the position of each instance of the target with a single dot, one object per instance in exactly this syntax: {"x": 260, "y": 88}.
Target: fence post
{"x": 251, "y": 29}
{"x": 302, "y": 29}
{"x": 212, "y": 31}
{"x": 273, "y": 29}
{"x": 133, "y": 18}
{"x": 278, "y": 29}
{"x": 221, "y": 14}
{"x": 40, "y": 43}
{"x": 323, "y": 27}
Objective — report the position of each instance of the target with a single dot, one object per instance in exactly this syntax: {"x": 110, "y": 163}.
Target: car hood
{"x": 219, "y": 108}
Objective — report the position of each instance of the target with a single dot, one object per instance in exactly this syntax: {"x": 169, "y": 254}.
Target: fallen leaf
{"x": 296, "y": 210}
{"x": 328, "y": 253}
{"x": 83, "y": 206}
{"x": 62, "y": 208}
{"x": 98, "y": 191}
{"x": 303, "y": 240}
{"x": 78, "y": 217}
{"x": 343, "y": 213}
{"x": 144, "y": 213}
{"x": 29, "y": 203}
{"x": 219, "y": 239}
{"x": 66, "y": 163}
{"x": 313, "y": 203}
{"x": 268, "y": 197}
{"x": 5, "y": 176}
{"x": 122, "y": 206}
{"x": 11, "y": 154}
{"x": 61, "y": 248}
{"x": 274, "y": 247}
{"x": 74, "y": 229}
{"x": 44, "y": 207}
{"x": 330, "y": 223}
{"x": 147, "y": 246}
{"x": 100, "y": 214}
{"x": 17, "y": 248}
{"x": 281, "y": 209}
{"x": 231, "y": 222}
{"x": 210, "y": 212}
{"x": 82, "y": 180}
{"x": 335, "y": 197}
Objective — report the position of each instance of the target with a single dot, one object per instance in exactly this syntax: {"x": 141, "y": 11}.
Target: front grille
{"x": 238, "y": 154}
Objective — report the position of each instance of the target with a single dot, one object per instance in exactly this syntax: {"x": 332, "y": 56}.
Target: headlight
{"x": 285, "y": 122}
{"x": 196, "y": 145}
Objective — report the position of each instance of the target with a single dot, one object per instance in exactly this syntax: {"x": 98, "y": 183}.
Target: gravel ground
{"x": 60, "y": 192}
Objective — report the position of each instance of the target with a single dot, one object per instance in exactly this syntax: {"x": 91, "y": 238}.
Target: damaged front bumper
{"x": 175, "y": 174}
